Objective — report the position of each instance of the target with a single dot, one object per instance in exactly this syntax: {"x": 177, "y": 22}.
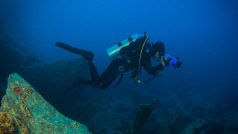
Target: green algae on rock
{"x": 23, "y": 110}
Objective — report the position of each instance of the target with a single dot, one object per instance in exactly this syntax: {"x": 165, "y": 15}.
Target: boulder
{"x": 24, "y": 111}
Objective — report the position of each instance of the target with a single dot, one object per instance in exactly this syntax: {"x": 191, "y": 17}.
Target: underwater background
{"x": 202, "y": 33}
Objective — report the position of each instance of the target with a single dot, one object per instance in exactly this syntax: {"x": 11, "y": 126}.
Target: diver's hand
{"x": 178, "y": 64}
{"x": 174, "y": 61}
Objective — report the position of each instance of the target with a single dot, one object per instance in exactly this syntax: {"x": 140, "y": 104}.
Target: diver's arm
{"x": 153, "y": 69}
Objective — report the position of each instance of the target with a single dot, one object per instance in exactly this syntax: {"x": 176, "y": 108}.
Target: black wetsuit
{"x": 128, "y": 61}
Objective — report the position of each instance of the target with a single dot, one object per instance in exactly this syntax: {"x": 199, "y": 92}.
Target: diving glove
{"x": 173, "y": 61}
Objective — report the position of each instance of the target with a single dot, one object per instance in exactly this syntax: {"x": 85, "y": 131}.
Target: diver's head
{"x": 157, "y": 50}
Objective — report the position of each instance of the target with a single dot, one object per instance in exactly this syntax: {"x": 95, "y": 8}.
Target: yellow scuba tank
{"x": 115, "y": 50}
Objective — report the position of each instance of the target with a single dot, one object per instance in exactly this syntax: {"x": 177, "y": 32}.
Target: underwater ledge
{"x": 24, "y": 111}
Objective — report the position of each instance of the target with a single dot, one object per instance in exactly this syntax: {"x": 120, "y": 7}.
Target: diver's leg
{"x": 114, "y": 69}
{"x": 108, "y": 76}
{"x": 93, "y": 71}
{"x": 94, "y": 76}
{"x": 86, "y": 54}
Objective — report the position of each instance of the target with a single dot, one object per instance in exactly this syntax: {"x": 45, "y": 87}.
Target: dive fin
{"x": 86, "y": 54}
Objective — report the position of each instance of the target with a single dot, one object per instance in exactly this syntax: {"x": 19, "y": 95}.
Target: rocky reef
{"x": 24, "y": 111}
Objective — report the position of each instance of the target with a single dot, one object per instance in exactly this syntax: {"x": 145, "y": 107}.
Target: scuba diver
{"x": 129, "y": 55}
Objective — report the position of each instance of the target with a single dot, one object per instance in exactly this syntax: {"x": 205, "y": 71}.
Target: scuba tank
{"x": 115, "y": 50}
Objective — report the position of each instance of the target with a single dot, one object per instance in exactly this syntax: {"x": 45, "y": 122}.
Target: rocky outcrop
{"x": 25, "y": 111}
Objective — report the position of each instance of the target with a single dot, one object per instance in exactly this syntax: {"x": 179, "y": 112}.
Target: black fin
{"x": 86, "y": 54}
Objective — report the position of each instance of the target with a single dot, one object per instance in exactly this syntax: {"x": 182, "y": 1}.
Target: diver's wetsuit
{"x": 129, "y": 61}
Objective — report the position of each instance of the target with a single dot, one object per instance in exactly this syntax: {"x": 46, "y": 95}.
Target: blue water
{"x": 202, "y": 33}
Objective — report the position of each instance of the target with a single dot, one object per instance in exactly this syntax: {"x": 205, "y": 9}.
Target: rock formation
{"x": 24, "y": 111}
